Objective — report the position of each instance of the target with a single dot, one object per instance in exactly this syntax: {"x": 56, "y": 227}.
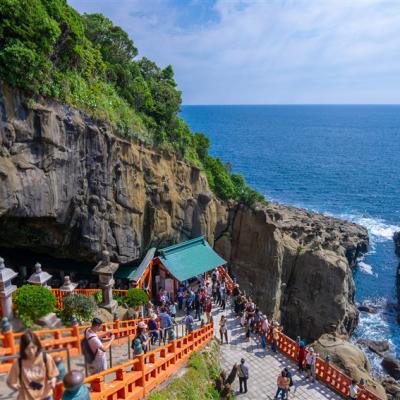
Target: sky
{"x": 268, "y": 51}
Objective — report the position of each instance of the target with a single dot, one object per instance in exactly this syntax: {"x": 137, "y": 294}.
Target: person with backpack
{"x": 35, "y": 373}
{"x": 166, "y": 324}
{"x": 282, "y": 383}
{"x": 141, "y": 342}
{"x": 302, "y": 355}
{"x": 189, "y": 323}
{"x": 94, "y": 346}
{"x": 243, "y": 374}
{"x": 289, "y": 377}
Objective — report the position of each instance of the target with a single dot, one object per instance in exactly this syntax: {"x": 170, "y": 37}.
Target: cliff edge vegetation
{"x": 49, "y": 49}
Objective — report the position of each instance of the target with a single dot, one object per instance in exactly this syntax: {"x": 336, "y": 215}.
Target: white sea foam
{"x": 364, "y": 267}
{"x": 379, "y": 230}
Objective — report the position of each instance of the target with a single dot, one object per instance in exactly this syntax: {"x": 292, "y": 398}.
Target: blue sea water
{"x": 339, "y": 160}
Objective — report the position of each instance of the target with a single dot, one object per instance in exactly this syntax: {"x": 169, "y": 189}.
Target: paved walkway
{"x": 264, "y": 367}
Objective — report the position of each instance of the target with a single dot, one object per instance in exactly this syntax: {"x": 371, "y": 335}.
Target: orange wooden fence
{"x": 135, "y": 378}
{"x": 325, "y": 372}
{"x": 65, "y": 338}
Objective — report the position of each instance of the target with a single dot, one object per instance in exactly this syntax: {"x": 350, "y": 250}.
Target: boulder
{"x": 396, "y": 239}
{"x": 349, "y": 359}
{"x": 392, "y": 366}
{"x": 377, "y": 346}
{"x": 392, "y": 388}
{"x": 368, "y": 309}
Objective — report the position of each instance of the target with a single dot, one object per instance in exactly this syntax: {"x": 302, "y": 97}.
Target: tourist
{"x": 302, "y": 355}
{"x": 218, "y": 294}
{"x": 223, "y": 329}
{"x": 311, "y": 359}
{"x": 153, "y": 329}
{"x": 353, "y": 390}
{"x": 98, "y": 344}
{"x": 208, "y": 308}
{"x": 189, "y": 323}
{"x": 224, "y": 295}
{"x": 74, "y": 389}
{"x": 180, "y": 296}
{"x": 264, "y": 332}
{"x": 189, "y": 302}
{"x": 141, "y": 341}
{"x": 172, "y": 309}
{"x": 197, "y": 306}
{"x": 166, "y": 324}
{"x": 34, "y": 374}
{"x": 283, "y": 383}
{"x": 276, "y": 330}
{"x": 289, "y": 376}
{"x": 243, "y": 374}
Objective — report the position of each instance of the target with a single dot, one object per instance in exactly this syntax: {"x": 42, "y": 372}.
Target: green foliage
{"x": 83, "y": 307}
{"x": 49, "y": 49}
{"x": 198, "y": 382}
{"x": 33, "y": 302}
{"x": 98, "y": 297}
{"x": 136, "y": 297}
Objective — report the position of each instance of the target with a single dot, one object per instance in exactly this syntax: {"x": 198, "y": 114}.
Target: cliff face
{"x": 68, "y": 187}
{"x": 296, "y": 265}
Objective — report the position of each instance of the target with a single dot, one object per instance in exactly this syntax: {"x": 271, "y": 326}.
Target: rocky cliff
{"x": 69, "y": 186}
{"x": 296, "y": 265}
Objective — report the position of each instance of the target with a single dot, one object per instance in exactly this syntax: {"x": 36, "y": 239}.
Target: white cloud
{"x": 272, "y": 51}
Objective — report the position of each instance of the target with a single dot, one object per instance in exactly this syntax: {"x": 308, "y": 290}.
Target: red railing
{"x": 325, "y": 372}
{"x": 65, "y": 338}
{"x": 136, "y": 378}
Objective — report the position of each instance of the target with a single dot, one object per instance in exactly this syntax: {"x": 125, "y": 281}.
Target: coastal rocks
{"x": 348, "y": 358}
{"x": 396, "y": 239}
{"x": 392, "y": 389}
{"x": 392, "y": 366}
{"x": 367, "y": 309}
{"x": 296, "y": 265}
{"x": 378, "y": 347}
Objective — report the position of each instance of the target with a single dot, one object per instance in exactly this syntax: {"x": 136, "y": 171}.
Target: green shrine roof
{"x": 189, "y": 259}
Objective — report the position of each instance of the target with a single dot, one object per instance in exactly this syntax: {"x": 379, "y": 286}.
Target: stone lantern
{"x": 105, "y": 269}
{"x": 68, "y": 286}
{"x": 39, "y": 277}
{"x": 6, "y": 289}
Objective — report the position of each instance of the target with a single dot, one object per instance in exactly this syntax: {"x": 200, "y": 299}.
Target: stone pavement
{"x": 264, "y": 367}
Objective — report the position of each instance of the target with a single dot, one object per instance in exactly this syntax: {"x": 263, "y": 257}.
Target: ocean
{"x": 340, "y": 160}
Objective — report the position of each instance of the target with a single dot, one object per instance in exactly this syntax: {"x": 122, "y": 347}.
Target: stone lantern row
{"x": 105, "y": 269}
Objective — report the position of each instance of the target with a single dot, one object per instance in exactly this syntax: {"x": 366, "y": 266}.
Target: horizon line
{"x": 290, "y": 104}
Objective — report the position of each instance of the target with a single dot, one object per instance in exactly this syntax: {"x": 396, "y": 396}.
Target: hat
{"x": 142, "y": 325}
{"x": 154, "y": 316}
{"x": 264, "y": 316}
{"x": 311, "y": 350}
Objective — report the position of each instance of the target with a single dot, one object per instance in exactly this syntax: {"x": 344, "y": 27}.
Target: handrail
{"x": 66, "y": 338}
{"x": 325, "y": 372}
{"x": 134, "y": 379}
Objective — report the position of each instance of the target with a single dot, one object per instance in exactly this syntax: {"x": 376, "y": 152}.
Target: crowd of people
{"x": 35, "y": 374}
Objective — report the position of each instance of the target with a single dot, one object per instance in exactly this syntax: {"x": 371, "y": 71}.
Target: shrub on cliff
{"x": 83, "y": 307}
{"x": 33, "y": 302}
{"x": 48, "y": 48}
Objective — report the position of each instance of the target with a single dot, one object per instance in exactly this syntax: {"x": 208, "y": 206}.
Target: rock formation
{"x": 348, "y": 358}
{"x": 69, "y": 186}
{"x": 297, "y": 266}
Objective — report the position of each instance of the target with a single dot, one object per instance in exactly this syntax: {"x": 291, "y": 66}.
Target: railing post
{"x": 9, "y": 340}
{"x": 75, "y": 333}
{"x": 142, "y": 369}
